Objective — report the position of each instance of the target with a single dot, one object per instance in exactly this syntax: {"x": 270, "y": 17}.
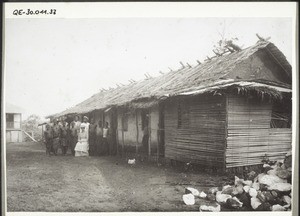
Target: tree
{"x": 30, "y": 125}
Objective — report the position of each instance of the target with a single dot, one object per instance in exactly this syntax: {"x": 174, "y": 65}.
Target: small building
{"x": 13, "y": 123}
{"x": 227, "y": 112}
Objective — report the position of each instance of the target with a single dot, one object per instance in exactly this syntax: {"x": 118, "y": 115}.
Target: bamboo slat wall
{"x": 249, "y": 134}
{"x": 201, "y": 137}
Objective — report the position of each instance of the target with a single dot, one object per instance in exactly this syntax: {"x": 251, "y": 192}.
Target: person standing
{"x": 48, "y": 135}
{"x": 86, "y": 121}
{"x": 145, "y": 139}
{"x": 59, "y": 121}
{"x": 92, "y": 138}
{"x": 77, "y": 124}
{"x": 56, "y": 135}
{"x": 82, "y": 146}
{"x": 106, "y": 144}
{"x": 73, "y": 137}
{"x": 99, "y": 138}
{"x": 63, "y": 137}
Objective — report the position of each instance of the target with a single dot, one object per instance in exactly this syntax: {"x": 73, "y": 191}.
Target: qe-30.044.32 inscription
{"x": 20, "y": 12}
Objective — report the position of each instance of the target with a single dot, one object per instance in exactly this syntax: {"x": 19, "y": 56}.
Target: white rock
{"x": 246, "y": 188}
{"x": 239, "y": 189}
{"x": 210, "y": 208}
{"x": 202, "y": 194}
{"x": 255, "y": 185}
{"x": 266, "y": 165}
{"x": 255, "y": 202}
{"x": 239, "y": 202}
{"x": 213, "y": 190}
{"x": 226, "y": 186}
{"x": 287, "y": 200}
{"x": 277, "y": 207}
{"x": 252, "y": 192}
{"x": 270, "y": 179}
{"x": 237, "y": 180}
{"x": 221, "y": 198}
{"x": 274, "y": 166}
{"x": 259, "y": 176}
{"x": 188, "y": 199}
{"x": 272, "y": 172}
{"x": 280, "y": 187}
{"x": 247, "y": 182}
{"x": 194, "y": 191}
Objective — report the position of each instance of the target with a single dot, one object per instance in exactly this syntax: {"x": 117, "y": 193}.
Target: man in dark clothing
{"x": 56, "y": 135}
{"x": 73, "y": 138}
{"x": 99, "y": 138}
{"x": 63, "y": 138}
{"x": 92, "y": 138}
{"x": 48, "y": 135}
{"x": 106, "y": 144}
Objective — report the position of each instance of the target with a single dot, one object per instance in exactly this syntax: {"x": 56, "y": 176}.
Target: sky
{"x": 53, "y": 64}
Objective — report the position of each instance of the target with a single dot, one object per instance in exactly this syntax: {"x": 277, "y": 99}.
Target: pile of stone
{"x": 269, "y": 190}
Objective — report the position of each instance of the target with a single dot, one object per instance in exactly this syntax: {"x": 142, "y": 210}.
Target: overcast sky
{"x": 53, "y": 64}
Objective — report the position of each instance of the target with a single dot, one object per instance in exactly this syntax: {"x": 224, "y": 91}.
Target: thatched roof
{"x": 204, "y": 77}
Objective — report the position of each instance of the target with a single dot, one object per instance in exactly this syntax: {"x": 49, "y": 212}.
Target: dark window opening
{"x": 10, "y": 120}
{"x": 9, "y": 117}
{"x": 281, "y": 116}
{"x": 145, "y": 118}
{"x": 280, "y": 120}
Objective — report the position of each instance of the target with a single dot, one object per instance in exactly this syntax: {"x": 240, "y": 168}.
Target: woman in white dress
{"x": 82, "y": 146}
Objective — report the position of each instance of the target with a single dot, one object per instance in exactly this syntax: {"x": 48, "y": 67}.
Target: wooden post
{"x": 21, "y": 127}
{"x": 32, "y": 138}
{"x": 42, "y": 132}
{"x": 122, "y": 136}
{"x": 117, "y": 141}
{"x": 149, "y": 141}
{"x": 137, "y": 132}
{"x": 158, "y": 141}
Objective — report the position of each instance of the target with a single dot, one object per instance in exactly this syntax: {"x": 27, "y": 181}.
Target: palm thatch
{"x": 264, "y": 93}
{"x": 211, "y": 75}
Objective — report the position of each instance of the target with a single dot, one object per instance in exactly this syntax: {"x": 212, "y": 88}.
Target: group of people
{"x": 83, "y": 138}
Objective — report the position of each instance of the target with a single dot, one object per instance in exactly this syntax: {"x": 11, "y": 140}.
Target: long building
{"x": 227, "y": 112}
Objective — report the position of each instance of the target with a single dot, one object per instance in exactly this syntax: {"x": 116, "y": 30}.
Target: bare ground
{"x": 36, "y": 182}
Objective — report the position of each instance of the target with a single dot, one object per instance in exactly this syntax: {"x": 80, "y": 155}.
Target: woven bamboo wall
{"x": 249, "y": 134}
{"x": 201, "y": 138}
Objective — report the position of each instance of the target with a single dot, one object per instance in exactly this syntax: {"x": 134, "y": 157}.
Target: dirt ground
{"x": 36, "y": 182}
